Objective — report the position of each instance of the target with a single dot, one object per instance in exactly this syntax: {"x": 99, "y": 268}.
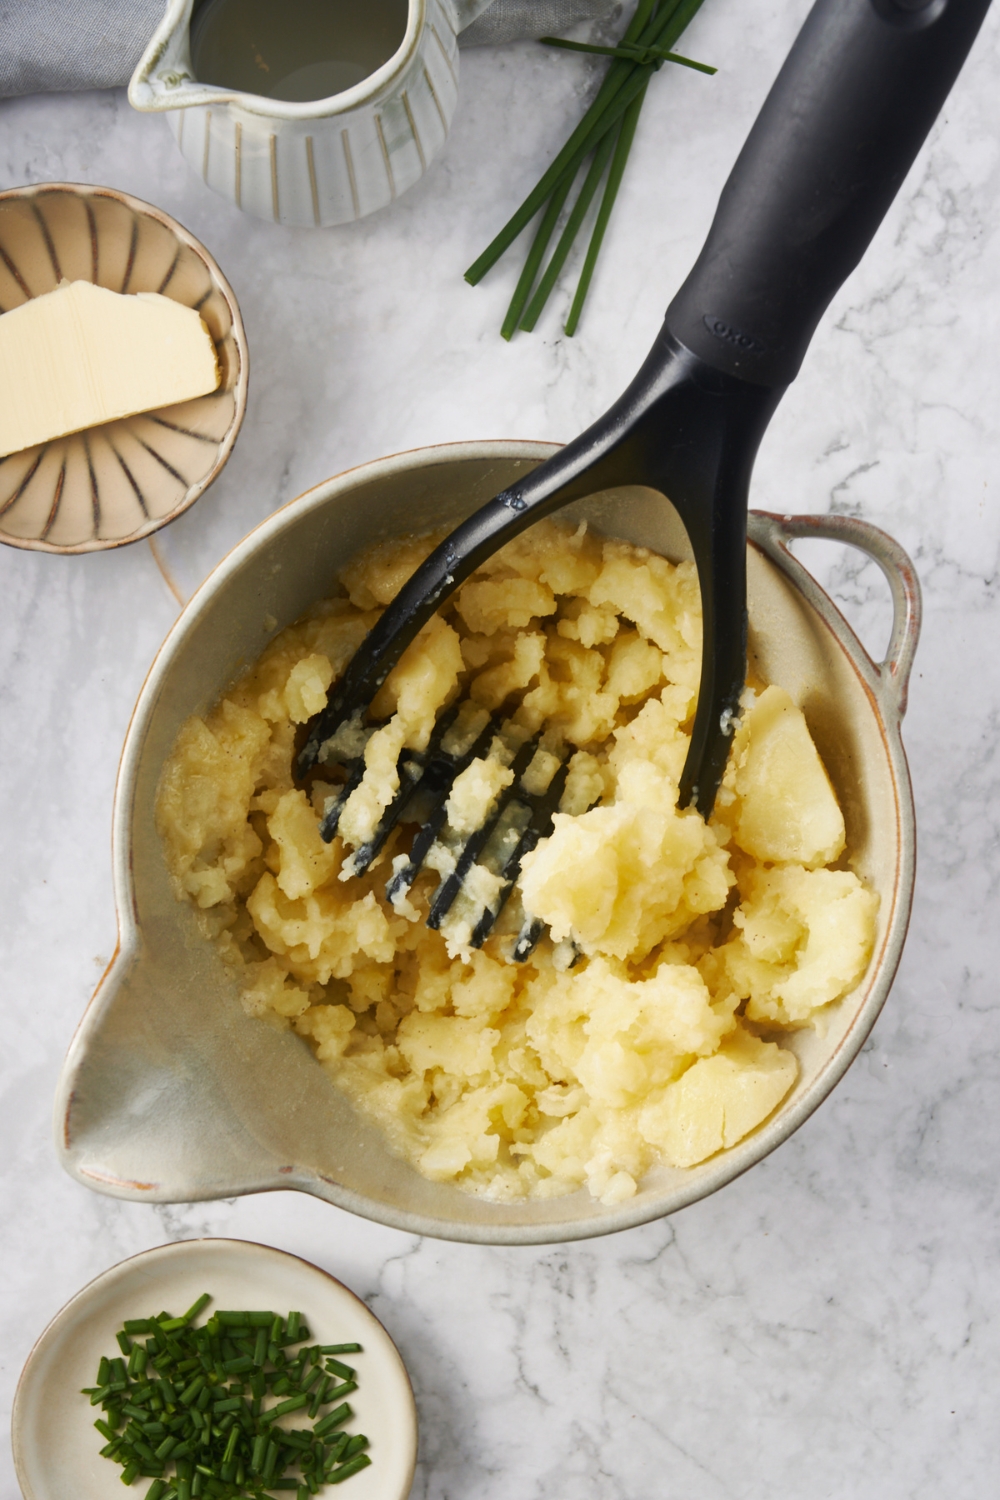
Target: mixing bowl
{"x": 170, "y": 1092}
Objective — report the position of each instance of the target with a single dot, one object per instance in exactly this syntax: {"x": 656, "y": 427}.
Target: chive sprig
{"x": 605, "y": 134}
{"x": 184, "y": 1405}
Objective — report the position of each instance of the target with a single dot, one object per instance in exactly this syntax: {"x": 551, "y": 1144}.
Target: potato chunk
{"x": 719, "y": 1099}
{"x": 786, "y": 810}
{"x": 804, "y": 939}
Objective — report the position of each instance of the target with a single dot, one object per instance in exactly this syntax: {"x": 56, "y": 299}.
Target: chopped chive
{"x": 104, "y": 1371}
{"x": 353, "y": 1466}
{"x": 167, "y": 1447}
{"x": 131, "y": 1471}
{"x": 294, "y": 1403}
{"x": 187, "y": 1396}
{"x": 270, "y": 1459}
{"x": 260, "y": 1347}
{"x": 356, "y": 1444}
{"x": 197, "y": 1307}
{"x": 336, "y": 1452}
{"x": 124, "y": 1343}
{"x": 294, "y": 1320}
{"x": 333, "y": 1419}
{"x": 336, "y": 1368}
{"x": 156, "y": 1490}
{"x": 283, "y": 1484}
{"x": 259, "y": 1449}
{"x": 340, "y": 1349}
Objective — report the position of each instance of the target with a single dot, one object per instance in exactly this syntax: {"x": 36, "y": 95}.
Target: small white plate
{"x": 57, "y": 1450}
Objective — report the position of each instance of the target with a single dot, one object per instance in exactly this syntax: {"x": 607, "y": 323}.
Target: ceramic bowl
{"x": 171, "y": 1092}
{"x": 56, "y": 1450}
{"x": 123, "y": 480}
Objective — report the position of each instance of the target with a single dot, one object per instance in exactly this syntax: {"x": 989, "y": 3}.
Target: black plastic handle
{"x": 837, "y": 134}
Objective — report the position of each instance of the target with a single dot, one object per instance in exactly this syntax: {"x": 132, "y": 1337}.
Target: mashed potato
{"x": 632, "y": 1035}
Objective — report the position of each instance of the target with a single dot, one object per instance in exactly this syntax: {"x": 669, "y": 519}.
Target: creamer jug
{"x": 306, "y": 112}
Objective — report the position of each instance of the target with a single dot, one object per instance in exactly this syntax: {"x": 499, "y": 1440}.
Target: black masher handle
{"x": 837, "y": 134}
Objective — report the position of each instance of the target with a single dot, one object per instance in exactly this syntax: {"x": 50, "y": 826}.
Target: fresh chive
{"x": 642, "y": 55}
{"x": 344, "y": 1371}
{"x": 195, "y": 1405}
{"x": 197, "y": 1307}
{"x": 535, "y": 255}
{"x": 104, "y": 1370}
{"x": 294, "y": 1403}
{"x": 353, "y": 1466}
{"x": 124, "y": 1342}
{"x": 576, "y": 218}
{"x": 187, "y": 1396}
{"x": 340, "y": 1349}
{"x": 333, "y": 1419}
{"x": 646, "y": 44}
{"x": 622, "y": 148}
{"x": 318, "y": 1395}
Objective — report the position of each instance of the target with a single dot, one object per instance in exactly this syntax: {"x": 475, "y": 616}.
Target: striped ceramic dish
{"x": 123, "y": 480}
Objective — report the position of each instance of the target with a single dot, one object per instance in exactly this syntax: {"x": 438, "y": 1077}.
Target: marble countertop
{"x": 829, "y": 1325}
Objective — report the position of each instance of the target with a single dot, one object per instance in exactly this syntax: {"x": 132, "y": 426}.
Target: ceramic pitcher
{"x": 322, "y": 162}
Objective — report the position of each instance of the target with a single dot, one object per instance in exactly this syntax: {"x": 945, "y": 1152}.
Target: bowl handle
{"x": 892, "y": 674}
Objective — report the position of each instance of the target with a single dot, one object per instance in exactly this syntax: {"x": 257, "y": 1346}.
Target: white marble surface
{"x": 829, "y": 1325}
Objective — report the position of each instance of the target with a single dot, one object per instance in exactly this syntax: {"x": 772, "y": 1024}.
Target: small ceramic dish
{"x": 57, "y": 1451}
{"x": 123, "y": 480}
{"x": 170, "y": 1091}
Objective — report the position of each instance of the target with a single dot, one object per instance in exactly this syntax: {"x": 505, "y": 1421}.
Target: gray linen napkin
{"x": 51, "y": 46}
